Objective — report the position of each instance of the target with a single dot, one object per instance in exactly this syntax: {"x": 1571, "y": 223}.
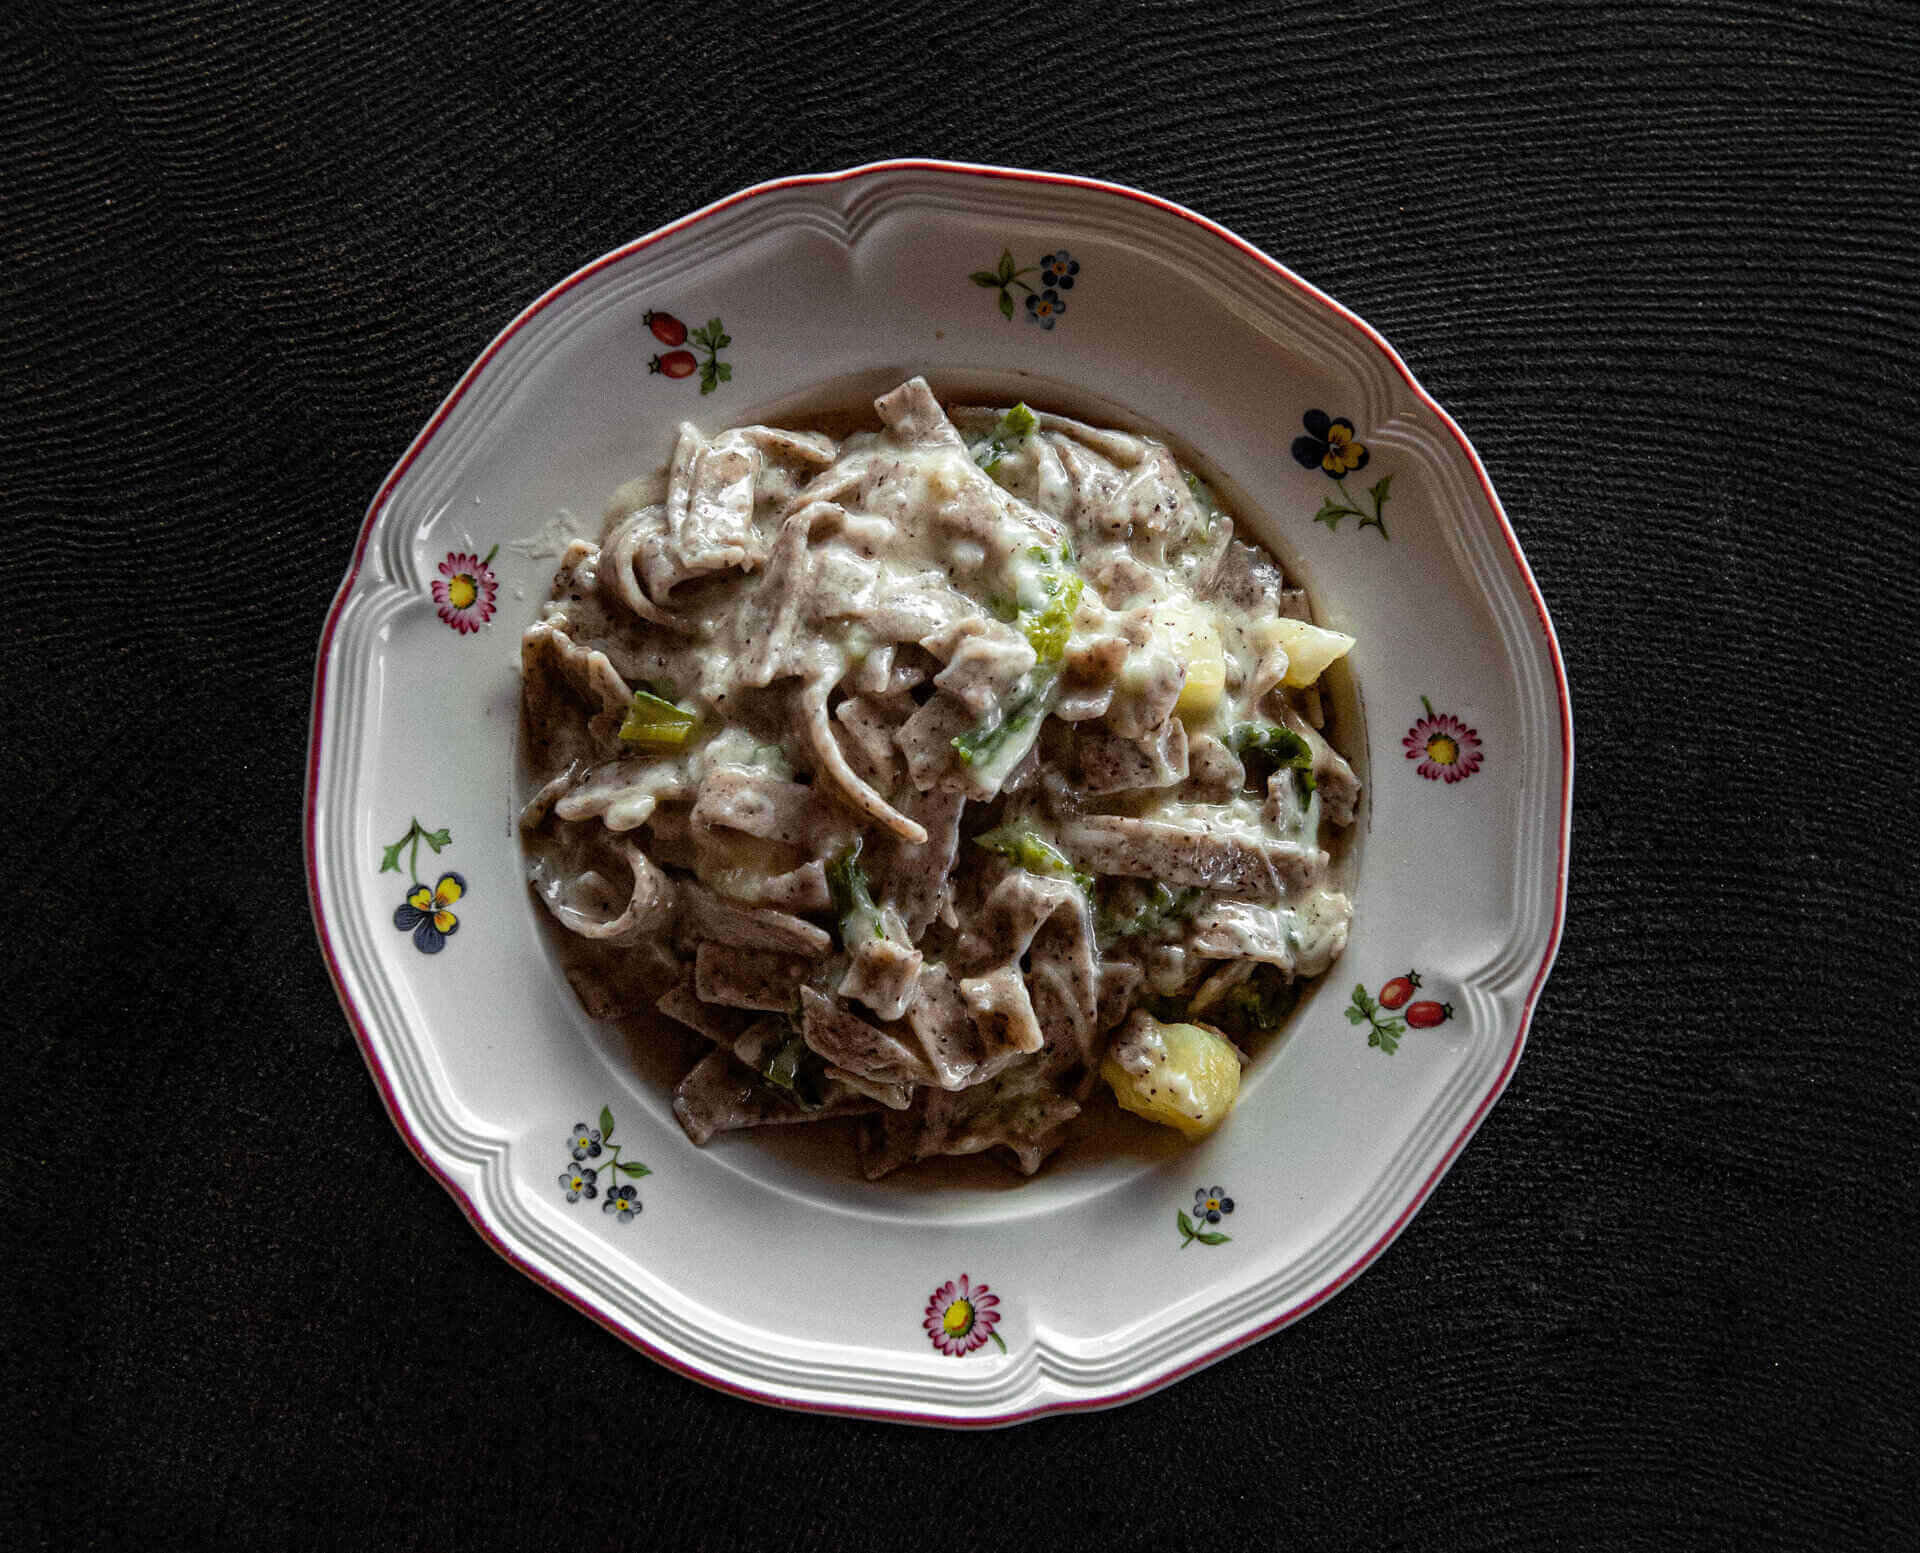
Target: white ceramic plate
{"x": 763, "y": 1264}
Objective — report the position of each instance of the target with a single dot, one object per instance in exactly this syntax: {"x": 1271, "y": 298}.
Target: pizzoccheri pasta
{"x": 933, "y": 774}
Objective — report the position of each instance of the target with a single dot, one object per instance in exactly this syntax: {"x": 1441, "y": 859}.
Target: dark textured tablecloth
{"x": 1659, "y": 259}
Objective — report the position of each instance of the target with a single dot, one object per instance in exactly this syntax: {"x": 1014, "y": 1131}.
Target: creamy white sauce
{"x": 963, "y": 592}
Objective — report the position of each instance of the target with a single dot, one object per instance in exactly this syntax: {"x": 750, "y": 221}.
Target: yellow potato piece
{"x": 1309, "y": 648}
{"x": 1191, "y": 1081}
{"x": 1195, "y": 642}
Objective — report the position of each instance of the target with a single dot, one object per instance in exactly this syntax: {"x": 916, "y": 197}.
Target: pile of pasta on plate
{"x": 945, "y": 774}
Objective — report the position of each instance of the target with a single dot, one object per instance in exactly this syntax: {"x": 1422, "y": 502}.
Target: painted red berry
{"x": 674, "y": 364}
{"x": 1424, "y": 1016}
{"x": 667, "y": 329}
{"x": 1397, "y": 991}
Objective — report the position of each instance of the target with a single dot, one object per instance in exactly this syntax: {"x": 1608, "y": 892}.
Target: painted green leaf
{"x": 437, "y": 838}
{"x": 1355, "y": 1017}
{"x": 1378, "y": 491}
{"x": 985, "y": 278}
{"x": 1006, "y": 264}
{"x": 1006, "y": 305}
{"x": 1213, "y": 1238}
{"x": 606, "y": 1124}
{"x": 390, "y": 859}
{"x": 1186, "y": 1224}
{"x": 631, "y": 1168}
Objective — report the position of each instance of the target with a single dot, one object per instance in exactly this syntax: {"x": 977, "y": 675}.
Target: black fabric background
{"x": 1660, "y": 261}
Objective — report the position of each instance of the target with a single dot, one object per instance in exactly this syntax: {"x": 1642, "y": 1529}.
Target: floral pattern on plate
{"x": 678, "y": 362}
{"x": 1045, "y": 304}
{"x": 464, "y": 592}
{"x": 1389, "y": 1016}
{"x": 961, "y": 1316}
{"x": 1447, "y": 749}
{"x": 582, "y": 1180}
{"x": 1331, "y": 445}
{"x": 427, "y": 910}
{"x": 1210, "y": 1205}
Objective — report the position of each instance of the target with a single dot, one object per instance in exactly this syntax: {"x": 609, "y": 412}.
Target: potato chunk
{"x": 1183, "y": 1076}
{"x": 1194, "y": 640}
{"x": 1309, "y": 648}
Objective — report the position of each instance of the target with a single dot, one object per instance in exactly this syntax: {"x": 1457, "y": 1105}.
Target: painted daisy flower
{"x": 1210, "y": 1202}
{"x": 1045, "y": 308}
{"x": 1329, "y": 445}
{"x": 465, "y": 590}
{"x": 1447, "y": 749}
{"x": 584, "y": 1141}
{"x": 578, "y": 1183}
{"x": 961, "y": 1316}
{"x": 623, "y": 1202}
{"x": 427, "y": 915}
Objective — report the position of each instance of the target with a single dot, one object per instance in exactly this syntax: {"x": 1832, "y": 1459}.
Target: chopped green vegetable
{"x": 797, "y": 1070}
{"x": 1266, "y": 748}
{"x": 1258, "y": 1006}
{"x": 1163, "y": 909}
{"x": 1282, "y": 745}
{"x": 1026, "y": 848}
{"x": 1049, "y": 627}
{"x": 1014, "y": 427}
{"x": 979, "y": 746}
{"x": 1048, "y": 630}
{"x": 655, "y": 722}
{"x": 853, "y": 902}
